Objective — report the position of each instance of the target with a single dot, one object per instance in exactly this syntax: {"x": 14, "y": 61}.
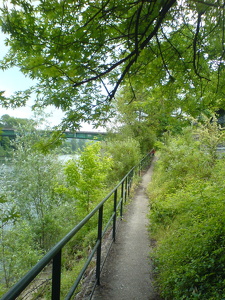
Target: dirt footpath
{"x": 127, "y": 272}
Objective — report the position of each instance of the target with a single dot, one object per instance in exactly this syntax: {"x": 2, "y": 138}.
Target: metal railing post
{"x": 126, "y": 190}
{"x": 56, "y": 276}
{"x": 139, "y": 168}
{"x": 122, "y": 199}
{"x": 114, "y": 218}
{"x": 99, "y": 249}
{"x": 129, "y": 182}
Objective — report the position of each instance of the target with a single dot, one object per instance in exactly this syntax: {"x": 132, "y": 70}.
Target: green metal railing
{"x": 120, "y": 194}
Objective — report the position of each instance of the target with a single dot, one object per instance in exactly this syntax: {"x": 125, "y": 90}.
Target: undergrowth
{"x": 188, "y": 221}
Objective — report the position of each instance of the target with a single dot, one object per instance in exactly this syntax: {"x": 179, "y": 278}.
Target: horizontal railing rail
{"x": 120, "y": 195}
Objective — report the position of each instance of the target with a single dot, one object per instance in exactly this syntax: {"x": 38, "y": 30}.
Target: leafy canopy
{"x": 81, "y": 52}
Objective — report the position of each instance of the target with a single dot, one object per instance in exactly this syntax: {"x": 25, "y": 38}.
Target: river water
{"x": 65, "y": 157}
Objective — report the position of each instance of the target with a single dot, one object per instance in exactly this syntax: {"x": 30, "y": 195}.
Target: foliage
{"x": 125, "y": 153}
{"x": 8, "y": 210}
{"x": 19, "y": 253}
{"x": 187, "y": 220}
{"x": 5, "y": 146}
{"x": 7, "y": 121}
{"x": 211, "y": 136}
{"x": 15, "y": 236}
{"x": 34, "y": 190}
{"x": 180, "y": 161}
{"x": 149, "y": 112}
{"x": 86, "y": 178}
{"x": 75, "y": 50}
{"x": 30, "y": 182}
{"x": 135, "y": 119}
{"x": 35, "y": 214}
{"x": 189, "y": 255}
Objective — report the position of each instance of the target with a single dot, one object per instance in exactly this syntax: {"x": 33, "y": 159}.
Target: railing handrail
{"x": 55, "y": 251}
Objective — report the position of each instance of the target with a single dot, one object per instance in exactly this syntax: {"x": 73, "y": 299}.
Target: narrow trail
{"x": 127, "y": 274}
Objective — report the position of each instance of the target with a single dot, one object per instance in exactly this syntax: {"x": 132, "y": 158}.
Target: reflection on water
{"x": 5, "y": 166}
{"x": 64, "y": 158}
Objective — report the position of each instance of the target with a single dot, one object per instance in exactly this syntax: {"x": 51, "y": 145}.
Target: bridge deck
{"x": 90, "y": 135}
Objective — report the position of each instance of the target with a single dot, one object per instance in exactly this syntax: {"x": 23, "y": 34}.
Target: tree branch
{"x": 209, "y": 3}
{"x": 223, "y": 51}
{"x": 195, "y": 47}
{"x": 112, "y": 94}
{"x": 132, "y": 90}
{"x": 163, "y": 60}
{"x": 136, "y": 29}
{"x": 105, "y": 72}
{"x": 161, "y": 16}
{"x": 175, "y": 49}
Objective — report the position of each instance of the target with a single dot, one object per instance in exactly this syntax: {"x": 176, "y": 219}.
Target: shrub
{"x": 189, "y": 255}
{"x": 19, "y": 253}
{"x": 125, "y": 154}
{"x": 188, "y": 221}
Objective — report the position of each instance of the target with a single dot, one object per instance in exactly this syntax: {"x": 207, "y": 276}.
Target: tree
{"x": 31, "y": 182}
{"x": 125, "y": 152}
{"x": 7, "y": 121}
{"x": 86, "y": 178}
{"x": 5, "y": 148}
{"x": 80, "y": 53}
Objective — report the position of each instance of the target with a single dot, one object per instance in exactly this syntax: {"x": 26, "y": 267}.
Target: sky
{"x": 13, "y": 80}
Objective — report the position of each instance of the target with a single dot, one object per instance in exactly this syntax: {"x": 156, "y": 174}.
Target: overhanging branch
{"x": 159, "y": 20}
{"x": 195, "y": 48}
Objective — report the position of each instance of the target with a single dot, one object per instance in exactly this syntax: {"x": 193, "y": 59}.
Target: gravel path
{"x": 127, "y": 272}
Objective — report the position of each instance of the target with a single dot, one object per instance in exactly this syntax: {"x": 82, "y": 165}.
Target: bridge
{"x": 89, "y": 135}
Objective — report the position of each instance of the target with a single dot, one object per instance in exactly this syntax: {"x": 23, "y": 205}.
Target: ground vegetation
{"x": 187, "y": 215}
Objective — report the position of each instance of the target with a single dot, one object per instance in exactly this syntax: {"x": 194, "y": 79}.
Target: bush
{"x": 19, "y": 253}
{"x": 188, "y": 221}
{"x": 125, "y": 153}
{"x": 189, "y": 255}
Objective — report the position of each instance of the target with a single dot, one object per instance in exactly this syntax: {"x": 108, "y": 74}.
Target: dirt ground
{"x": 127, "y": 274}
